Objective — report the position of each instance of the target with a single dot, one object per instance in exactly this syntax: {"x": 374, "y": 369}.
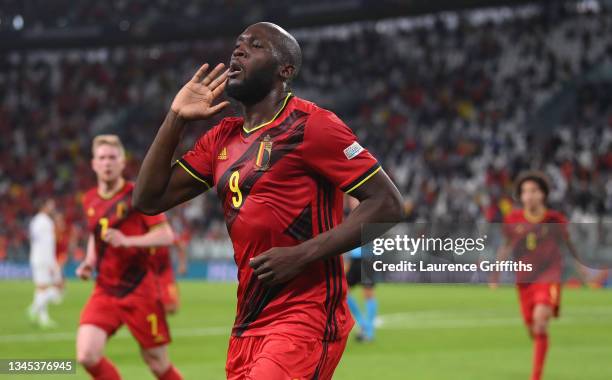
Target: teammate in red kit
{"x": 535, "y": 235}
{"x": 126, "y": 290}
{"x": 165, "y": 274}
{"x": 279, "y": 171}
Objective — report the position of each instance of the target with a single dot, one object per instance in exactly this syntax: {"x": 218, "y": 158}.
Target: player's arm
{"x": 380, "y": 202}
{"x": 158, "y": 236}
{"x": 85, "y": 269}
{"x": 182, "y": 257}
{"x": 161, "y": 185}
{"x": 580, "y": 268}
{"x": 503, "y": 253}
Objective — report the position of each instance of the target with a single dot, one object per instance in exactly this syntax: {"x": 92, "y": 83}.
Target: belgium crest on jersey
{"x": 262, "y": 160}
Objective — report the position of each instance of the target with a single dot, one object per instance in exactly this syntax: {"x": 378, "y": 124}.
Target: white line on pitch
{"x": 425, "y": 319}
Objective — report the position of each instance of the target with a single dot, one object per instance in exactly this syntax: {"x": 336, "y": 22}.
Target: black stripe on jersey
{"x": 207, "y": 179}
{"x": 333, "y": 326}
{"x": 333, "y": 276}
{"x": 321, "y": 361}
{"x": 319, "y": 208}
{"x": 328, "y": 278}
{"x": 130, "y": 279}
{"x": 360, "y": 178}
{"x": 301, "y": 227}
{"x": 256, "y": 305}
{"x": 338, "y": 264}
{"x": 333, "y": 265}
{"x": 335, "y": 262}
{"x": 279, "y": 151}
{"x": 325, "y": 262}
{"x": 252, "y": 293}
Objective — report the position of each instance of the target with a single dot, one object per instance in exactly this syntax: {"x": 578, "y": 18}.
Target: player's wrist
{"x": 307, "y": 252}
{"x": 176, "y": 118}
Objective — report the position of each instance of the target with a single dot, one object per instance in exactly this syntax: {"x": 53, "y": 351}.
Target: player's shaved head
{"x": 265, "y": 57}
{"x": 286, "y": 47}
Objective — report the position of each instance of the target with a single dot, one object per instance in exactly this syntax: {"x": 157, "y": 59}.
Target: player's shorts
{"x": 280, "y": 357}
{"x": 168, "y": 288}
{"x": 144, "y": 316}
{"x": 353, "y": 275}
{"x": 531, "y": 295}
{"x": 46, "y": 274}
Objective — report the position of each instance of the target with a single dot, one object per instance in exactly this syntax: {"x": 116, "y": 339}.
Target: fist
{"x": 84, "y": 271}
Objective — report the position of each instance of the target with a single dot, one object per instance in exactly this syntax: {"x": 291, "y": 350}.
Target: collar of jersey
{"x": 249, "y": 131}
{"x": 534, "y": 219}
{"x": 112, "y": 194}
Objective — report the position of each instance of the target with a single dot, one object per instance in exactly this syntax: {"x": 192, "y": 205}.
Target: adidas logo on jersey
{"x": 222, "y": 154}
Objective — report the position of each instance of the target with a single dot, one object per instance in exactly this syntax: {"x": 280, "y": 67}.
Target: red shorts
{"x": 539, "y": 293}
{"x": 144, "y": 316}
{"x": 280, "y": 357}
{"x": 168, "y": 288}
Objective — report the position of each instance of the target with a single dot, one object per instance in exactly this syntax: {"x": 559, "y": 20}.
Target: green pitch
{"x": 427, "y": 332}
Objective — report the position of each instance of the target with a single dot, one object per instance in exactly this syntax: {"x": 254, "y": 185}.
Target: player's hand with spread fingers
{"x": 278, "y": 265}
{"x": 195, "y": 100}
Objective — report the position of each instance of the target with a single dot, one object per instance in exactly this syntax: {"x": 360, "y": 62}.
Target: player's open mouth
{"x": 234, "y": 70}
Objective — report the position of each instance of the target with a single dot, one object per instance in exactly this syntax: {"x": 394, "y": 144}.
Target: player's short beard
{"x": 254, "y": 87}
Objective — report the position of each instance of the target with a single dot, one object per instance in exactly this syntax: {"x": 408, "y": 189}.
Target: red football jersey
{"x": 120, "y": 270}
{"x": 161, "y": 258}
{"x": 279, "y": 185}
{"x": 538, "y": 244}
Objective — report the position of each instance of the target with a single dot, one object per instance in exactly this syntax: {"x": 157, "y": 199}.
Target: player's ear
{"x": 287, "y": 72}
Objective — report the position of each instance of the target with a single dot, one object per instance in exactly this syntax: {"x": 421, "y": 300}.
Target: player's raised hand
{"x": 195, "y": 100}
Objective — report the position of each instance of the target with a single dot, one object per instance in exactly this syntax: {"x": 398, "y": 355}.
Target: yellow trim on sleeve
{"x": 363, "y": 180}
{"x": 192, "y": 174}
{"x": 271, "y": 120}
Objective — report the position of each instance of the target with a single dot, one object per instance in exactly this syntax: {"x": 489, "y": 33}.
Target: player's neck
{"x": 534, "y": 214}
{"x": 107, "y": 189}
{"x": 264, "y": 110}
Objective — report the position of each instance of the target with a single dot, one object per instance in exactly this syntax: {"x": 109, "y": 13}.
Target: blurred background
{"x": 453, "y": 97}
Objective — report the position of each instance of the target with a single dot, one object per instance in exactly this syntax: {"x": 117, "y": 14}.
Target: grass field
{"x": 427, "y": 332}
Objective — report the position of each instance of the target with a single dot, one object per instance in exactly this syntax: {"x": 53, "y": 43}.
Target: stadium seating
{"x": 447, "y": 104}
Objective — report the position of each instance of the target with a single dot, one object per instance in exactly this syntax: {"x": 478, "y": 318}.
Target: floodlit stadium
{"x": 323, "y": 189}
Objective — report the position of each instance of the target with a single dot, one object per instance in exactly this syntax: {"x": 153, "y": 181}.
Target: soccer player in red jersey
{"x": 535, "y": 235}
{"x": 279, "y": 171}
{"x": 165, "y": 274}
{"x": 126, "y": 290}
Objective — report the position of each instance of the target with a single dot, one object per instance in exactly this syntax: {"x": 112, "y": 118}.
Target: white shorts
{"x": 46, "y": 274}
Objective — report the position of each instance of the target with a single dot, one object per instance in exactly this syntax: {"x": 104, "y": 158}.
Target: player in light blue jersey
{"x": 365, "y": 320}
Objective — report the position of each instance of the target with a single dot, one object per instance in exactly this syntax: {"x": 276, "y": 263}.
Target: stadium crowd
{"x": 449, "y": 104}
